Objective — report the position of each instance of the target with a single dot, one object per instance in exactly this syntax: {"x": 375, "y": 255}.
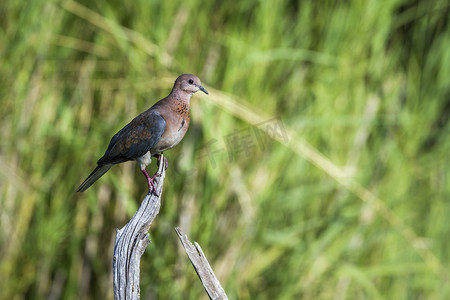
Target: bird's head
{"x": 189, "y": 83}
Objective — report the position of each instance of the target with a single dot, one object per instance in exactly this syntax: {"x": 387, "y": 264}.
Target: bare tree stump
{"x": 132, "y": 240}
{"x": 202, "y": 267}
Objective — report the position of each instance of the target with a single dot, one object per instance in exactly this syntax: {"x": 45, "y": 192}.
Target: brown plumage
{"x": 158, "y": 129}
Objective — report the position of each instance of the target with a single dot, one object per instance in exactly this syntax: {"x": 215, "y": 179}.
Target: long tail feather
{"x": 96, "y": 174}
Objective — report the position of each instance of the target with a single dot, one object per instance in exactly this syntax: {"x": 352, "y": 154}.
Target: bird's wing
{"x": 135, "y": 139}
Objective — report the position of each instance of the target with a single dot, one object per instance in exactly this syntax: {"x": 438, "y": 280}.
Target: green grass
{"x": 352, "y": 203}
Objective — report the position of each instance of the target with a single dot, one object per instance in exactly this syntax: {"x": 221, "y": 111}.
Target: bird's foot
{"x": 151, "y": 184}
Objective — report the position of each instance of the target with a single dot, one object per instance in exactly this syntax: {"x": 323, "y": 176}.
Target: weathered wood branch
{"x": 132, "y": 240}
{"x": 202, "y": 267}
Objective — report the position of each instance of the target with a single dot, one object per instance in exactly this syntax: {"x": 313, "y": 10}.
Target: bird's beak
{"x": 203, "y": 90}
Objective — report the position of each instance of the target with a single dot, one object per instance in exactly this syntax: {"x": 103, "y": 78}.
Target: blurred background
{"x": 317, "y": 167}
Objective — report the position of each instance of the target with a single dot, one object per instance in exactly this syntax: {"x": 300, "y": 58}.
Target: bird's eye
{"x": 191, "y": 81}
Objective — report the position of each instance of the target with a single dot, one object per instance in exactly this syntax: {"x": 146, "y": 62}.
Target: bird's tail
{"x": 96, "y": 174}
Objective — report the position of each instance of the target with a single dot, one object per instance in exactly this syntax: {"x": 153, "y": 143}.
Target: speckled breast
{"x": 177, "y": 125}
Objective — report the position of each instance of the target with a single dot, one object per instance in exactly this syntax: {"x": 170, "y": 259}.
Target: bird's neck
{"x": 180, "y": 103}
{"x": 180, "y": 96}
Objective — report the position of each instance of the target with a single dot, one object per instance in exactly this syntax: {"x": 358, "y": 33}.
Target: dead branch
{"x": 132, "y": 240}
{"x": 202, "y": 267}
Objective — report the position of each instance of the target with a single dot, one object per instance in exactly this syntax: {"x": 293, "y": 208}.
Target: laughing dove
{"x": 159, "y": 128}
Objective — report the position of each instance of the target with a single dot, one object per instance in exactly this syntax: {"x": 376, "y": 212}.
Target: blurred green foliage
{"x": 351, "y": 203}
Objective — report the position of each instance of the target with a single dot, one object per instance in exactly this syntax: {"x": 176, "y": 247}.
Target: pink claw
{"x": 151, "y": 185}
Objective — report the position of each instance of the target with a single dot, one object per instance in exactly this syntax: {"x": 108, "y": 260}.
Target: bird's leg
{"x": 166, "y": 162}
{"x": 151, "y": 185}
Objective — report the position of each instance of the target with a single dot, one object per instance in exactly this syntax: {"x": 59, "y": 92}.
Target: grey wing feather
{"x": 135, "y": 139}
